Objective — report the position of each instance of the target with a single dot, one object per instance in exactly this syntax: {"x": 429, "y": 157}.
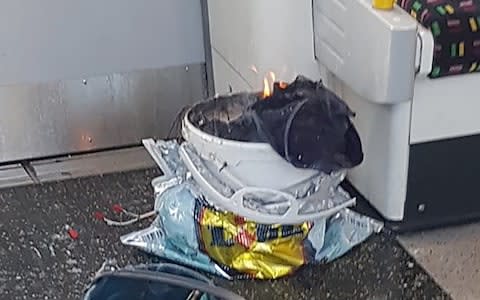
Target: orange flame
{"x": 269, "y": 82}
{"x": 266, "y": 88}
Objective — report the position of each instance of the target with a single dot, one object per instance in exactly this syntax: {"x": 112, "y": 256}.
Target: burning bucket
{"x": 238, "y": 171}
{"x": 253, "y": 164}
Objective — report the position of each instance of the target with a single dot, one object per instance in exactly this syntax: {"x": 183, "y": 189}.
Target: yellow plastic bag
{"x": 262, "y": 251}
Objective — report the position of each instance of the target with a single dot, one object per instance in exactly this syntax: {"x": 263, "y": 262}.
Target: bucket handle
{"x": 236, "y": 204}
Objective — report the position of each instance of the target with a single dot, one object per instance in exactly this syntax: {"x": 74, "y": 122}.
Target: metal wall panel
{"x": 13, "y": 175}
{"x": 66, "y": 116}
{"x": 57, "y": 39}
{"x": 91, "y": 164}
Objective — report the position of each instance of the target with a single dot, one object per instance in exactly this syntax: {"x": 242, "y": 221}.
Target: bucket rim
{"x": 189, "y": 126}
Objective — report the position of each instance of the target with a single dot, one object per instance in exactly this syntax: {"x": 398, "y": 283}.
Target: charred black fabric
{"x": 305, "y": 123}
{"x": 228, "y": 117}
{"x": 309, "y": 126}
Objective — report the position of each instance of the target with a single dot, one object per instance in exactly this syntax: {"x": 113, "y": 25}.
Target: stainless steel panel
{"x": 208, "y": 49}
{"x": 13, "y": 175}
{"x": 101, "y": 112}
{"x": 57, "y": 39}
{"x": 97, "y": 163}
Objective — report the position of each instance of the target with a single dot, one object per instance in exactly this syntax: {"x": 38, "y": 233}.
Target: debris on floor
{"x": 119, "y": 210}
{"x": 376, "y": 269}
{"x": 73, "y": 233}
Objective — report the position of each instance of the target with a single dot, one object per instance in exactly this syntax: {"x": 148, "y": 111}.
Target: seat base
{"x": 442, "y": 186}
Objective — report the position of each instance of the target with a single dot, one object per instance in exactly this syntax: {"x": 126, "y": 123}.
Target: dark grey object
{"x": 155, "y": 282}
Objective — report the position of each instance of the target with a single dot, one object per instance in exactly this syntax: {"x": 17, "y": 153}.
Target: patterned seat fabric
{"x": 455, "y": 26}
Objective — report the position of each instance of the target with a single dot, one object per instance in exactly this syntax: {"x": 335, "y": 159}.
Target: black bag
{"x": 309, "y": 126}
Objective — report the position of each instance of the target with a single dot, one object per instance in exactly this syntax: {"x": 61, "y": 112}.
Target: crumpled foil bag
{"x": 189, "y": 231}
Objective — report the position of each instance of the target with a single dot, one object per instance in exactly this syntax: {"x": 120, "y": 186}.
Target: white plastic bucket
{"x": 251, "y": 164}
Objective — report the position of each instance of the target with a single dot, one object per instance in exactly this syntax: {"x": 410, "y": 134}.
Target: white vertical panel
{"x": 273, "y": 35}
{"x": 445, "y": 108}
{"x": 384, "y": 131}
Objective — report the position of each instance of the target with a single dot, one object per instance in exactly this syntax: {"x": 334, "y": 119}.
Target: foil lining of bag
{"x": 190, "y": 232}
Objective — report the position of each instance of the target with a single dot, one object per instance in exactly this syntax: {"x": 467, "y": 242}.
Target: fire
{"x": 266, "y": 88}
{"x": 254, "y": 69}
{"x": 269, "y": 82}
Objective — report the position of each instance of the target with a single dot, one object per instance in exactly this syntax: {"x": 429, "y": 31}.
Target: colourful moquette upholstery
{"x": 455, "y": 26}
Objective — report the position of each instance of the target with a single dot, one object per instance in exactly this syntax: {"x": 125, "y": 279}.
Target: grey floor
{"x": 450, "y": 256}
